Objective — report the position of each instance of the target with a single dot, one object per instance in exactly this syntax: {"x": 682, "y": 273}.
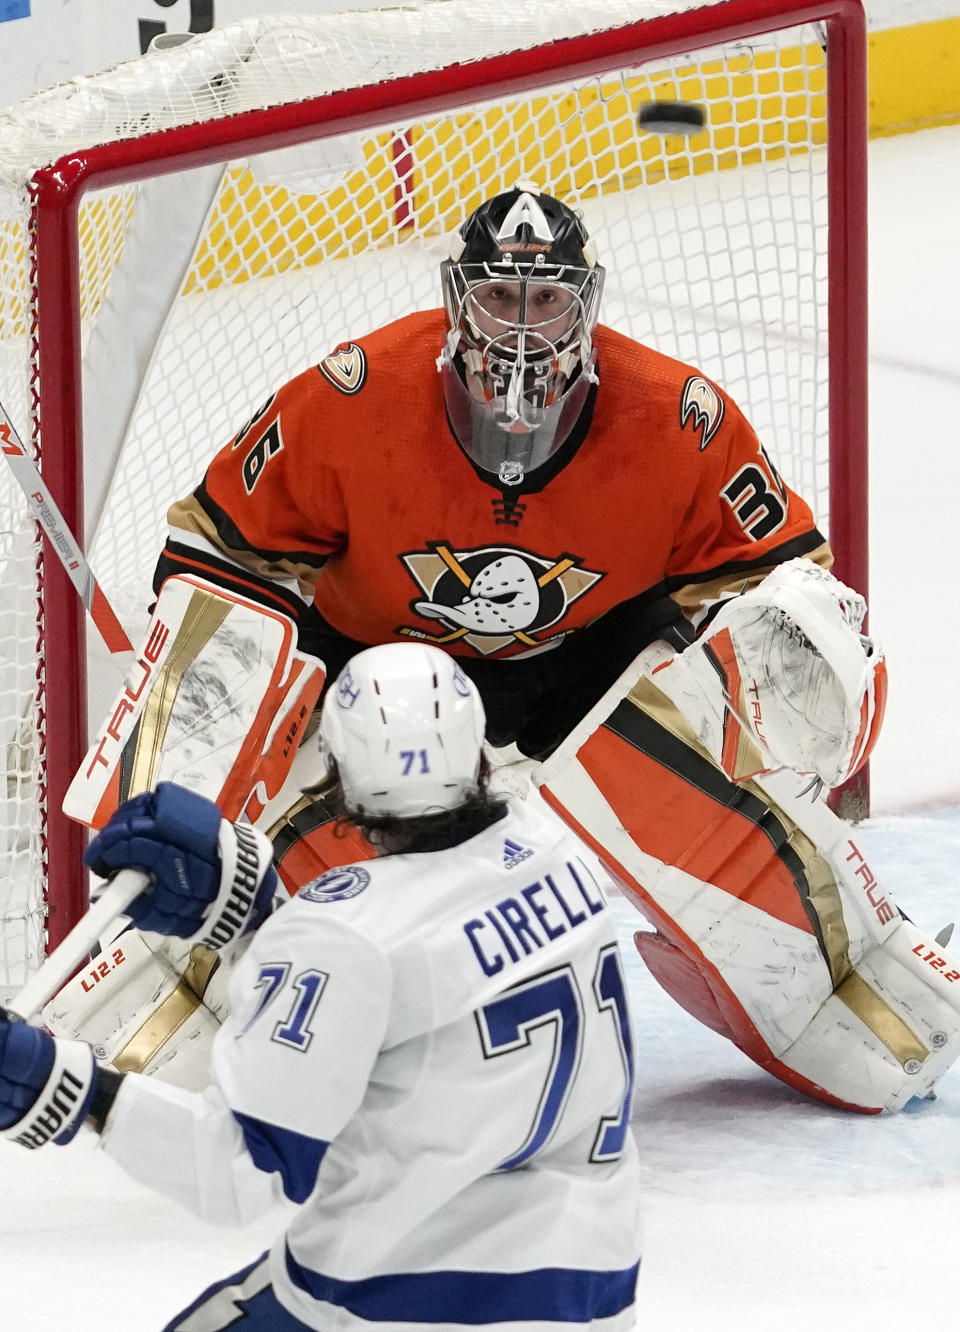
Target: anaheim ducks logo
{"x": 701, "y": 404}
{"x": 345, "y": 368}
{"x": 494, "y": 597}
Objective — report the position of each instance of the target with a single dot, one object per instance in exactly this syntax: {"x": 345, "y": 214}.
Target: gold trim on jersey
{"x": 168, "y": 1017}
{"x": 187, "y": 515}
{"x": 693, "y": 597}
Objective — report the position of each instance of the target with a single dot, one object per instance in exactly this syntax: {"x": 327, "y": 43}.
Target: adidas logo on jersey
{"x": 514, "y": 853}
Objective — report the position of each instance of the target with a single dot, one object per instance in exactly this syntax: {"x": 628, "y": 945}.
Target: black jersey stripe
{"x": 789, "y": 550}
{"x": 233, "y": 539}
{"x": 176, "y": 558}
{"x": 321, "y": 809}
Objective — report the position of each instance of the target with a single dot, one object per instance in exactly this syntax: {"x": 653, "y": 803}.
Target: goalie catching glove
{"x": 213, "y": 880}
{"x": 783, "y": 678}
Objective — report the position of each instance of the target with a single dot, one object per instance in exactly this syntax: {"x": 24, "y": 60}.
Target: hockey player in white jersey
{"x": 431, "y": 1051}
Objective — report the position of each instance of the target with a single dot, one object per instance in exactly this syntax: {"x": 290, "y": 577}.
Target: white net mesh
{"x": 21, "y": 723}
{"x": 715, "y": 248}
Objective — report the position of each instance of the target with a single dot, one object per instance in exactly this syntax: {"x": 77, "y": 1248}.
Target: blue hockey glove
{"x": 212, "y": 879}
{"x": 46, "y": 1085}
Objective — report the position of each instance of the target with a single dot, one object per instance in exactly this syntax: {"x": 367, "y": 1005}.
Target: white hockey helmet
{"x": 405, "y": 727}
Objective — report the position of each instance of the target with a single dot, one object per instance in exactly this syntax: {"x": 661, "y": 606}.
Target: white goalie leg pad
{"x": 784, "y": 678}
{"x": 774, "y": 970}
{"x": 869, "y": 913}
{"x": 891, "y": 1029}
{"x": 217, "y": 701}
{"x": 872, "y": 1025}
{"x": 142, "y": 1011}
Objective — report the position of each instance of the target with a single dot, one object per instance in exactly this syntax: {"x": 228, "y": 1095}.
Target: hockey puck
{"x": 671, "y": 117}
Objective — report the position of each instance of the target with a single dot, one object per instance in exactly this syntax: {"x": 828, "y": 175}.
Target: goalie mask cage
{"x": 180, "y": 234}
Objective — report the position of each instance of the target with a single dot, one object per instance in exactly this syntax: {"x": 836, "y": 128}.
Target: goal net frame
{"x": 57, "y": 189}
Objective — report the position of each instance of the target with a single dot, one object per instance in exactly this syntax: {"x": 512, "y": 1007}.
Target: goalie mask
{"x": 405, "y": 727}
{"x": 521, "y": 290}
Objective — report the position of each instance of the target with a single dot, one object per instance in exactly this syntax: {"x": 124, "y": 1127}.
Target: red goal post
{"x": 321, "y": 186}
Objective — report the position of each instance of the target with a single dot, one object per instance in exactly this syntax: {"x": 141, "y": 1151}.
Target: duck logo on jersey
{"x": 494, "y": 597}
{"x": 701, "y": 404}
{"x": 335, "y": 885}
{"x": 345, "y": 368}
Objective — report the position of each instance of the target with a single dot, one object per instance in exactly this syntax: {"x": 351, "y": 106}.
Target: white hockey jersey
{"x": 433, "y": 1054}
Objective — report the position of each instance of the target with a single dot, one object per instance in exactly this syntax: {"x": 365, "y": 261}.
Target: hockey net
{"x": 181, "y": 233}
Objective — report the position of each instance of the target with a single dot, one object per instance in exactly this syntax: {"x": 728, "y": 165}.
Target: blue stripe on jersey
{"x": 557, "y": 1294}
{"x": 294, "y": 1155}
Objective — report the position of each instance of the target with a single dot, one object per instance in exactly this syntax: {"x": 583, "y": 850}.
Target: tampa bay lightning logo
{"x": 347, "y": 691}
{"x": 460, "y": 682}
{"x": 336, "y": 885}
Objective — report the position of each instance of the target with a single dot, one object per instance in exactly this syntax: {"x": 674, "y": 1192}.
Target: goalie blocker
{"x": 217, "y": 701}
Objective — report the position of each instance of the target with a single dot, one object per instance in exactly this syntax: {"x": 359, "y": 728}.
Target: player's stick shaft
{"x": 44, "y": 509}
{"x": 75, "y": 948}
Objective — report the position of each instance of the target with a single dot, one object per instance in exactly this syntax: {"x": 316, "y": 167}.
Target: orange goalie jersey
{"x": 347, "y": 489}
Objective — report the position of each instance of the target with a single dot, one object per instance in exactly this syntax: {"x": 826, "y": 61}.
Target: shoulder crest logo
{"x": 335, "y": 885}
{"x": 345, "y": 368}
{"x": 701, "y": 404}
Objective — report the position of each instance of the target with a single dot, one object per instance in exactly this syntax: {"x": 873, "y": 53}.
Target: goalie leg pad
{"x": 892, "y": 1028}
{"x": 143, "y": 1012}
{"x": 772, "y": 927}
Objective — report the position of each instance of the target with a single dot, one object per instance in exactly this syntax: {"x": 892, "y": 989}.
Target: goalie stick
{"x": 44, "y": 509}
{"x": 75, "y": 948}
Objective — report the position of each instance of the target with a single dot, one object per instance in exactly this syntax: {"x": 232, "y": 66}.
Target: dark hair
{"x": 390, "y": 835}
